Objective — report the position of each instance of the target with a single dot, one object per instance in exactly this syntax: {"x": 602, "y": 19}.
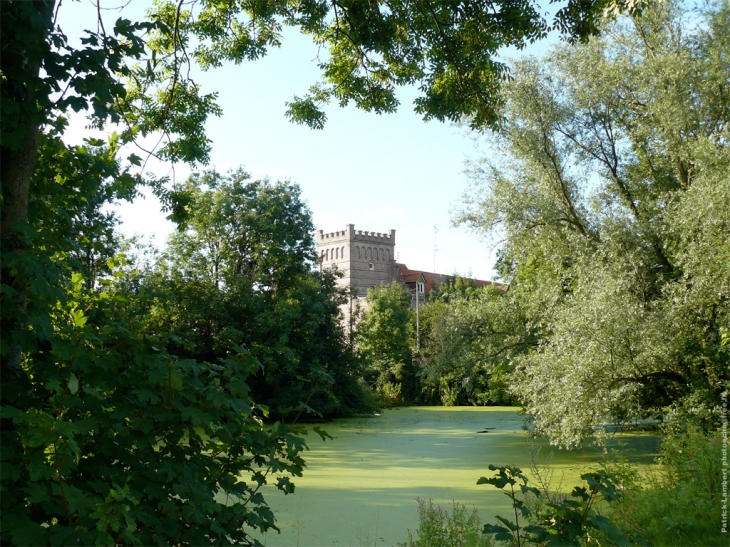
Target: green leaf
{"x": 322, "y": 433}
{"x": 73, "y": 384}
{"x": 612, "y": 532}
{"x": 26, "y": 532}
{"x": 508, "y": 523}
{"x": 495, "y": 529}
{"x": 79, "y": 318}
{"x": 530, "y": 489}
{"x": 539, "y": 531}
{"x": 10, "y": 412}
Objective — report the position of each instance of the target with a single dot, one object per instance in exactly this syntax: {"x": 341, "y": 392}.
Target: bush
{"x": 439, "y": 528}
{"x": 682, "y": 503}
{"x": 573, "y": 520}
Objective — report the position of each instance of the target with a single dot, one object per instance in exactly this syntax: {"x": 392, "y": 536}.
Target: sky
{"x": 378, "y": 172}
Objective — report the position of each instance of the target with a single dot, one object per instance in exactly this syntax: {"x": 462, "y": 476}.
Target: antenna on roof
{"x": 435, "y": 231}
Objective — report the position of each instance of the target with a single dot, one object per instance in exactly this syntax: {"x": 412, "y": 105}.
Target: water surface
{"x": 359, "y": 488}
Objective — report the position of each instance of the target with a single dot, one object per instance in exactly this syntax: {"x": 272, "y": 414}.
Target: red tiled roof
{"x": 434, "y": 280}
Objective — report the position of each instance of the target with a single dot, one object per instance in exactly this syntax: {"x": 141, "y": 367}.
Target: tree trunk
{"x": 25, "y": 33}
{"x": 26, "y": 26}
{"x": 16, "y": 171}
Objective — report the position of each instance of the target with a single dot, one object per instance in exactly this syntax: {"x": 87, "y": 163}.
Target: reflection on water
{"x": 359, "y": 488}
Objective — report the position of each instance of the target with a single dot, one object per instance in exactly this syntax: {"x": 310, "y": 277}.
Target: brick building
{"x": 367, "y": 260}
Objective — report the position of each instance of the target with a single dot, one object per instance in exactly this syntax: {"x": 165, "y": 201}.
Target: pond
{"x": 360, "y": 488}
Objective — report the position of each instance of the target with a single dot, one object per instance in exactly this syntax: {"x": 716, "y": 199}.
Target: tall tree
{"x": 606, "y": 148}
{"x": 383, "y": 337}
{"x": 242, "y": 274}
{"x": 468, "y": 338}
{"x": 447, "y": 48}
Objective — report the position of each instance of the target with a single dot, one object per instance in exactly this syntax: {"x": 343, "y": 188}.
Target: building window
{"x": 371, "y": 266}
{"x": 420, "y": 287}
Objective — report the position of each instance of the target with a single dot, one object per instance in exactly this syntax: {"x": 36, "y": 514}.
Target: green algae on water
{"x": 360, "y": 488}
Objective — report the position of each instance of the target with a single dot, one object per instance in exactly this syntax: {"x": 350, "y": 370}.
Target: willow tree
{"x": 612, "y": 196}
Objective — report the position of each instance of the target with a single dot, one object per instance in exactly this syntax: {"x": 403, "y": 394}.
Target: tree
{"x": 606, "y": 148}
{"x": 469, "y": 336}
{"x": 241, "y": 274}
{"x": 110, "y": 440}
{"x": 383, "y": 337}
{"x": 449, "y": 49}
{"x": 135, "y": 76}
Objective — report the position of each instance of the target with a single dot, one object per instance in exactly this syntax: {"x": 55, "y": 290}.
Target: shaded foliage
{"x": 240, "y": 274}
{"x": 572, "y": 520}
{"x": 383, "y": 337}
{"x": 468, "y": 336}
{"x": 107, "y": 438}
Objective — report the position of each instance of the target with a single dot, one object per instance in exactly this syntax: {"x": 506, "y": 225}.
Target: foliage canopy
{"x": 241, "y": 273}
{"x": 612, "y": 200}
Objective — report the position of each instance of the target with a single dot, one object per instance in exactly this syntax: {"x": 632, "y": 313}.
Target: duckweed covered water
{"x": 359, "y": 488}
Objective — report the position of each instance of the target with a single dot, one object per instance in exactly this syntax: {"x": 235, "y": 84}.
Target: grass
{"x": 676, "y": 504}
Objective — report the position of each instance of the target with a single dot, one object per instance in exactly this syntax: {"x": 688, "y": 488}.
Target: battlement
{"x": 366, "y": 260}
{"x": 332, "y": 235}
{"x": 362, "y": 235}
{"x": 350, "y": 234}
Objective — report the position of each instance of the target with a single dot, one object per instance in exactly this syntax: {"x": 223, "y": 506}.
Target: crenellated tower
{"x": 367, "y": 259}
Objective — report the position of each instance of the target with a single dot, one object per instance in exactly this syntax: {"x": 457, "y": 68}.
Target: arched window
{"x": 342, "y": 252}
{"x": 387, "y": 255}
{"x": 370, "y": 253}
{"x": 380, "y": 254}
{"x": 337, "y": 252}
{"x": 326, "y": 254}
{"x": 358, "y": 252}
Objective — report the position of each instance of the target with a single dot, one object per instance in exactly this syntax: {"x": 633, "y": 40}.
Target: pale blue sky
{"x": 378, "y": 172}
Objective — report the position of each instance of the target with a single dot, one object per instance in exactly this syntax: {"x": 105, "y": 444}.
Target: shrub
{"x": 682, "y": 503}
{"x": 439, "y": 528}
{"x": 572, "y": 520}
